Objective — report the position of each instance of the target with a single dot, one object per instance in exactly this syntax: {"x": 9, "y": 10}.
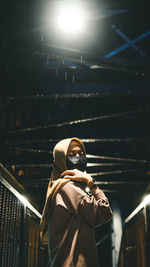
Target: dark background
{"x": 53, "y": 88}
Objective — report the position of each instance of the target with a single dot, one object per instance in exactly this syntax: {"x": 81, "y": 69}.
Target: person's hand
{"x": 77, "y": 175}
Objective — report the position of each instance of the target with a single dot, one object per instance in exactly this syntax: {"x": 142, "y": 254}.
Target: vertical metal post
{"x": 23, "y": 249}
{"x": 147, "y": 227}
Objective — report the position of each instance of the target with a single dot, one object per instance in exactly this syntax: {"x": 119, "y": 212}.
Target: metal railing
{"x": 19, "y": 229}
{"x": 135, "y": 243}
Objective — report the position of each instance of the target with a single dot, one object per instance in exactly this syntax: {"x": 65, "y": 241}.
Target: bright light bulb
{"x": 71, "y": 20}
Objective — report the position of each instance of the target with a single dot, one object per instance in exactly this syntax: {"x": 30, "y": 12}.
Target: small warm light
{"x": 20, "y": 173}
{"x": 71, "y": 19}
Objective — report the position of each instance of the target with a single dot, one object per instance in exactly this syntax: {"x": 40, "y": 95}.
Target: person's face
{"x": 75, "y": 149}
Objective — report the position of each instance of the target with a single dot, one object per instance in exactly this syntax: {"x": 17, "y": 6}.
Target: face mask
{"x": 75, "y": 162}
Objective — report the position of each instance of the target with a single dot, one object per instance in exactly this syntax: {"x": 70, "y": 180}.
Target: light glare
{"x": 146, "y": 200}
{"x": 24, "y": 200}
{"x": 71, "y": 20}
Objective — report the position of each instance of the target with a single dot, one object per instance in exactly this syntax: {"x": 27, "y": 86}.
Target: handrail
{"x": 20, "y": 197}
{"x": 19, "y": 226}
{"x": 141, "y": 206}
{"x": 135, "y": 241}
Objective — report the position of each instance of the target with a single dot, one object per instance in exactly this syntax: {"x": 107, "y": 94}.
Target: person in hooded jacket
{"x": 74, "y": 206}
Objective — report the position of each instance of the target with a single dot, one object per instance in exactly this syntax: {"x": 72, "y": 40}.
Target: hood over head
{"x": 59, "y": 156}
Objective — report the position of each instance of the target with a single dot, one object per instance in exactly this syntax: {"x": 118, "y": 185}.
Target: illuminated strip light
{"x": 87, "y": 155}
{"x": 104, "y": 117}
{"x": 29, "y": 165}
{"x": 119, "y": 159}
{"x": 128, "y": 40}
{"x": 120, "y": 182}
{"x": 51, "y": 165}
{"x": 125, "y": 46}
{"x": 91, "y": 140}
{"x": 53, "y": 96}
{"x": 109, "y": 140}
{"x": 20, "y": 197}
{"x": 141, "y": 206}
{"x": 103, "y": 164}
{"x": 44, "y": 181}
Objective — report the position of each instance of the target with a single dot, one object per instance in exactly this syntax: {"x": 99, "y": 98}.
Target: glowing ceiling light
{"x": 71, "y": 19}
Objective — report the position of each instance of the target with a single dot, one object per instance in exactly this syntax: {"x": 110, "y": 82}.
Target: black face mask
{"x": 75, "y": 162}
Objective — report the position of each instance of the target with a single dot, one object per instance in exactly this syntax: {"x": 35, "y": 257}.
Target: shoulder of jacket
{"x": 74, "y": 186}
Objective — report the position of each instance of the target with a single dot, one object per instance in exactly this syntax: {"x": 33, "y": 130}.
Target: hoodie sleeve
{"x": 93, "y": 210}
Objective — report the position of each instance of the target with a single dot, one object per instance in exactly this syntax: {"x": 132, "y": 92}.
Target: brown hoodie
{"x": 70, "y": 215}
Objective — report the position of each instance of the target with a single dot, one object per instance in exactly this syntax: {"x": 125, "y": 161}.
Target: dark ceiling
{"x": 95, "y": 88}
